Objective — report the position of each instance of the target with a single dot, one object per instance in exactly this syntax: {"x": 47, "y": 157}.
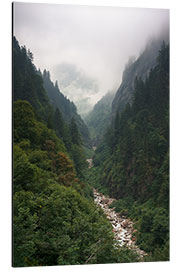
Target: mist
{"x": 86, "y": 48}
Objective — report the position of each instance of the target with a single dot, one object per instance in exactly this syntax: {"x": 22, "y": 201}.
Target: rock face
{"x": 122, "y": 228}
{"x": 138, "y": 68}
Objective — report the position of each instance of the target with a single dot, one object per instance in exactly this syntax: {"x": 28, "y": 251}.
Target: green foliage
{"x": 66, "y": 108}
{"x": 79, "y": 159}
{"x": 60, "y": 227}
{"x": 59, "y": 123}
{"x": 160, "y": 253}
{"x": 125, "y": 255}
{"x": 123, "y": 206}
{"x": 72, "y": 225}
{"x": 24, "y": 122}
{"x": 153, "y": 227}
{"x": 99, "y": 118}
{"x": 93, "y": 178}
{"x": 25, "y": 224}
{"x": 28, "y": 129}
{"x": 134, "y": 158}
{"x": 76, "y": 139}
{"x": 33, "y": 92}
{"x": 88, "y": 152}
{"x": 139, "y": 141}
{"x": 151, "y": 224}
{"x": 27, "y": 84}
{"x": 53, "y": 222}
{"x": 23, "y": 170}
{"x": 40, "y": 158}
{"x": 135, "y": 68}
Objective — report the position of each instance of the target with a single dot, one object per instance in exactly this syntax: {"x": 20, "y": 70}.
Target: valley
{"x": 122, "y": 227}
{"x": 91, "y": 191}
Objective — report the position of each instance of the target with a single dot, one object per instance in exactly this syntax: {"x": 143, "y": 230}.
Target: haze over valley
{"x": 86, "y": 48}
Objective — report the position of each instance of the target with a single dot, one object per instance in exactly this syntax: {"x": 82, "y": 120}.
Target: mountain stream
{"x": 122, "y": 227}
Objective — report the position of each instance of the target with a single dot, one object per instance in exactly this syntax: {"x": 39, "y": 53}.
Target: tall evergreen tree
{"x": 137, "y": 170}
{"x": 76, "y": 139}
{"x": 59, "y": 123}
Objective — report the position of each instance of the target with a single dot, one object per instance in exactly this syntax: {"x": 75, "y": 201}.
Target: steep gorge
{"x": 131, "y": 163}
{"x": 51, "y": 189}
{"x": 122, "y": 227}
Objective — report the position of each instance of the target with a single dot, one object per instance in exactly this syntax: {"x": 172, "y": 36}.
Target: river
{"x": 122, "y": 227}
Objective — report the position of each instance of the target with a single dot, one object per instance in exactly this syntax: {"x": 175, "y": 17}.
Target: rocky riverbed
{"x": 90, "y": 162}
{"x": 122, "y": 227}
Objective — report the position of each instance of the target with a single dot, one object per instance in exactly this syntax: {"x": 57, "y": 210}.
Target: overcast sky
{"x": 97, "y": 40}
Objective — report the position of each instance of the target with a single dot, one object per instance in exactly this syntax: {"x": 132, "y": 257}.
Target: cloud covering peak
{"x": 96, "y": 40}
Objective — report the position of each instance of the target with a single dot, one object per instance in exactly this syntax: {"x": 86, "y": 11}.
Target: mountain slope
{"x": 77, "y": 85}
{"x": 55, "y": 221}
{"x": 66, "y": 107}
{"x": 141, "y": 67}
{"x": 135, "y": 159}
{"x": 28, "y": 85}
{"x": 100, "y": 117}
{"x": 52, "y": 209}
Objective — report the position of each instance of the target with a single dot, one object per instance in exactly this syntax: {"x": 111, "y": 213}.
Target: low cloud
{"x": 97, "y": 41}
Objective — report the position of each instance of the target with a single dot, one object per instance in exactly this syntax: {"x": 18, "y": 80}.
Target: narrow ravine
{"x": 122, "y": 227}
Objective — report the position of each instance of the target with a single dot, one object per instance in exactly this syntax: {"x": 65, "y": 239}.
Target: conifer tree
{"x": 76, "y": 139}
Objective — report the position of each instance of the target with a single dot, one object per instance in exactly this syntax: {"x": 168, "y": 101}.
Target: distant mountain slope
{"x": 139, "y": 68}
{"x": 66, "y": 107}
{"x": 133, "y": 160}
{"x": 58, "y": 114}
{"x": 37, "y": 88}
{"x": 100, "y": 117}
{"x": 77, "y": 85}
{"x": 55, "y": 221}
{"x": 27, "y": 84}
{"x": 57, "y": 99}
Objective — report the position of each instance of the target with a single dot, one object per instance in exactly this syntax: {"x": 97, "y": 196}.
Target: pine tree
{"x": 76, "y": 139}
{"x": 59, "y": 123}
{"x": 56, "y": 84}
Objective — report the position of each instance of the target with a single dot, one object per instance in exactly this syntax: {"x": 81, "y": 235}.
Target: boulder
{"x": 125, "y": 223}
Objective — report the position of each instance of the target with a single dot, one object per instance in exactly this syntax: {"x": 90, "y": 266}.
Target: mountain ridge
{"x": 141, "y": 67}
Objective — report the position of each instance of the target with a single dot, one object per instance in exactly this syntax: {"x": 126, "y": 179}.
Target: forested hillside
{"x": 66, "y": 107}
{"x": 55, "y": 221}
{"x": 139, "y": 67}
{"x": 28, "y": 85}
{"x": 134, "y": 157}
{"x": 77, "y": 85}
{"x": 90, "y": 135}
{"x": 52, "y": 208}
{"x": 58, "y": 113}
{"x": 100, "y": 117}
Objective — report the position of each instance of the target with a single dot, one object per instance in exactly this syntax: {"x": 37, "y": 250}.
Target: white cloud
{"x": 98, "y": 40}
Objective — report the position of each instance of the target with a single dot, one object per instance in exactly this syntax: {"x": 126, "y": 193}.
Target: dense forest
{"x": 139, "y": 67}
{"x": 132, "y": 161}
{"x": 55, "y": 111}
{"x": 55, "y": 220}
{"x": 100, "y": 117}
{"x": 65, "y": 106}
